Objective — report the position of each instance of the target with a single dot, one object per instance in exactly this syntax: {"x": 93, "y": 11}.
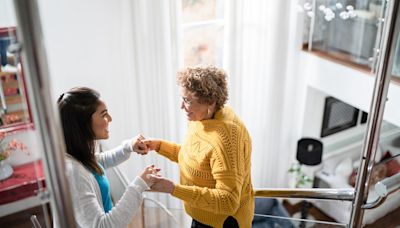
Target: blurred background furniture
{"x": 336, "y": 173}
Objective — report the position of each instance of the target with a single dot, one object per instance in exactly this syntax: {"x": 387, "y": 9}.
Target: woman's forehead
{"x": 101, "y": 106}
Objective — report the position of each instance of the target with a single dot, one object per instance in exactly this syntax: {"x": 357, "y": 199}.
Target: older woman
{"x": 215, "y": 180}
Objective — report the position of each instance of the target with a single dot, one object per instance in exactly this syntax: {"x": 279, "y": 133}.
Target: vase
{"x": 5, "y": 170}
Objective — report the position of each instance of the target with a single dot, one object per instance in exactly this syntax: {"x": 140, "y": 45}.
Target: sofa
{"x": 337, "y": 170}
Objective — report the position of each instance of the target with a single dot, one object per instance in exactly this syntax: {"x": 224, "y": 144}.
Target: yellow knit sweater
{"x": 215, "y": 177}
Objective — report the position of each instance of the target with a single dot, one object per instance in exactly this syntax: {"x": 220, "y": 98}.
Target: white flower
{"x": 339, "y": 5}
{"x": 344, "y": 15}
{"x": 307, "y": 6}
{"x": 352, "y": 14}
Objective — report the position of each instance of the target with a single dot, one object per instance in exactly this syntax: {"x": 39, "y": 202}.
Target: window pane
{"x": 203, "y": 46}
{"x": 201, "y": 10}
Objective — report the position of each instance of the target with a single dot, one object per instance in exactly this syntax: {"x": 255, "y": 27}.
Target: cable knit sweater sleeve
{"x": 169, "y": 150}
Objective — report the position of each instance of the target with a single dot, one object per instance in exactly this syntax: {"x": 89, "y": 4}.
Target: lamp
{"x": 309, "y": 152}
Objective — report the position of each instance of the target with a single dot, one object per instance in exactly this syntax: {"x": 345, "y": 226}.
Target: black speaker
{"x": 309, "y": 151}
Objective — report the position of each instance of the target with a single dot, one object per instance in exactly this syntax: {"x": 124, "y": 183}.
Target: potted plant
{"x": 301, "y": 178}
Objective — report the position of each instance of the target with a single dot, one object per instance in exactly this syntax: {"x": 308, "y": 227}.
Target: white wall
{"x": 85, "y": 47}
{"x": 351, "y": 86}
{"x": 326, "y": 78}
{"x": 7, "y": 15}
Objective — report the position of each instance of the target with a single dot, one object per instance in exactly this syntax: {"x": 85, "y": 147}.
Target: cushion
{"x": 378, "y": 157}
{"x": 392, "y": 166}
{"x": 344, "y": 168}
{"x": 378, "y": 173}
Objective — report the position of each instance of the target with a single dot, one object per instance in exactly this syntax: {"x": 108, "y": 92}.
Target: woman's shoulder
{"x": 74, "y": 168}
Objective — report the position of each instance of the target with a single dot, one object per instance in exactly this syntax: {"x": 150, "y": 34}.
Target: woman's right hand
{"x": 147, "y": 173}
{"x": 138, "y": 146}
{"x": 152, "y": 144}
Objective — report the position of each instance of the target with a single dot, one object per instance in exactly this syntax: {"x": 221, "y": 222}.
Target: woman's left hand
{"x": 162, "y": 184}
{"x": 148, "y": 173}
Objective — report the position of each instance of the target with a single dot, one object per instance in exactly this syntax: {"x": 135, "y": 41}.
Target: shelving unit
{"x": 15, "y": 108}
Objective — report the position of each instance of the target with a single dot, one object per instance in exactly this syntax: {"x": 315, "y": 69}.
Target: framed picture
{"x": 338, "y": 116}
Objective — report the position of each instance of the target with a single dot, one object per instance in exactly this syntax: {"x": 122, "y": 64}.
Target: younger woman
{"x": 85, "y": 119}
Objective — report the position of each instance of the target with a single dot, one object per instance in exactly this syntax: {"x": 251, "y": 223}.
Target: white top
{"x": 86, "y": 195}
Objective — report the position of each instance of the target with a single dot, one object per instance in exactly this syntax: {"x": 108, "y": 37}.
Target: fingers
{"x": 154, "y": 177}
{"x": 161, "y": 184}
{"x": 152, "y": 143}
{"x": 141, "y": 137}
{"x": 139, "y": 146}
{"x": 147, "y": 142}
{"x": 152, "y": 170}
{"x": 150, "y": 175}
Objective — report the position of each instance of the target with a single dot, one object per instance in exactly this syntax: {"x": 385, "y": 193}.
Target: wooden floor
{"x": 392, "y": 220}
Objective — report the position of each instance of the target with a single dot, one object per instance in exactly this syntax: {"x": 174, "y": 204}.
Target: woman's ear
{"x": 211, "y": 108}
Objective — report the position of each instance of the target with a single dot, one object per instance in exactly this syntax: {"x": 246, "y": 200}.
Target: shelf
{"x": 26, "y": 182}
{"x": 14, "y": 207}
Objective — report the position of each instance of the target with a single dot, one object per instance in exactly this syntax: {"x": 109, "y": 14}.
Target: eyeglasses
{"x": 186, "y": 101}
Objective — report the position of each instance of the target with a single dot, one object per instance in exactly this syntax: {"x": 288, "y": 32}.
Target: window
{"x": 203, "y": 32}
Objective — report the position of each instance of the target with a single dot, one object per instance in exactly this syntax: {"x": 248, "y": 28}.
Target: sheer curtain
{"x": 263, "y": 88}
{"x": 151, "y": 58}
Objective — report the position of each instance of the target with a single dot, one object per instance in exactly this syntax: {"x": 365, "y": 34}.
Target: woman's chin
{"x": 103, "y": 137}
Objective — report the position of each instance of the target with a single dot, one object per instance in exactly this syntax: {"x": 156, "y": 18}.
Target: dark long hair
{"x": 76, "y": 108}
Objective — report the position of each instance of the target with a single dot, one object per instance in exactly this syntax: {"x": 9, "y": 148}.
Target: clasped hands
{"x": 142, "y": 146}
{"x": 150, "y": 174}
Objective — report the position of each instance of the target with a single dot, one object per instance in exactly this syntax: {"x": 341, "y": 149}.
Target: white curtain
{"x": 263, "y": 89}
{"x": 152, "y": 98}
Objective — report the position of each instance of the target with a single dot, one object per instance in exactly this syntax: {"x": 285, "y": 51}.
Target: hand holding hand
{"x": 161, "y": 184}
{"x": 152, "y": 144}
{"x": 139, "y": 146}
{"x": 148, "y": 173}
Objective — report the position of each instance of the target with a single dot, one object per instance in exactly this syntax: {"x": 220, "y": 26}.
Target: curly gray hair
{"x": 208, "y": 84}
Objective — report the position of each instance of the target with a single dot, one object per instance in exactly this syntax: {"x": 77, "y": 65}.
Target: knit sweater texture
{"x": 215, "y": 170}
